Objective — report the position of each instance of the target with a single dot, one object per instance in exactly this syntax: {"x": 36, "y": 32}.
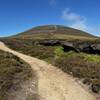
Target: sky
{"x": 19, "y": 15}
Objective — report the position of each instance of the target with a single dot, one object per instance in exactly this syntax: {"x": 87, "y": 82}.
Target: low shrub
{"x": 13, "y": 71}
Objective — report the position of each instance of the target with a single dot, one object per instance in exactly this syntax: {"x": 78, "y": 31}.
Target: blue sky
{"x": 19, "y": 15}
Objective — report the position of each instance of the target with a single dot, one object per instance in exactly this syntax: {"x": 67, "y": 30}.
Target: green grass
{"x": 91, "y": 58}
{"x": 58, "y": 51}
{"x": 13, "y": 71}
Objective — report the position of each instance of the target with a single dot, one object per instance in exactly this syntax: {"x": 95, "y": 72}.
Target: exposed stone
{"x": 90, "y": 48}
{"x": 96, "y": 48}
{"x": 68, "y": 46}
{"x": 50, "y": 42}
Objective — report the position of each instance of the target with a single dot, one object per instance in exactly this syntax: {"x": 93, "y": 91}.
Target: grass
{"x": 80, "y": 65}
{"x": 42, "y": 36}
{"x": 91, "y": 58}
{"x": 58, "y": 51}
{"x": 83, "y": 66}
{"x": 54, "y": 32}
{"x": 58, "y": 29}
{"x": 13, "y": 71}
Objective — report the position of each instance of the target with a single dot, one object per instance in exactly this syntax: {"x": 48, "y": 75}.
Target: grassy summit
{"x": 53, "y": 32}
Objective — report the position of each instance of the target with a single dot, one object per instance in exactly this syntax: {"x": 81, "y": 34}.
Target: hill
{"x": 74, "y": 51}
{"x": 53, "y": 32}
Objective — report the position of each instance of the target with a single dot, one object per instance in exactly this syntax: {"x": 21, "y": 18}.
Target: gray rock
{"x": 50, "y": 42}
{"x": 68, "y": 46}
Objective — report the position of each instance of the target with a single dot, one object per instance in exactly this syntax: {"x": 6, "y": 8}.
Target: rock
{"x": 68, "y": 46}
{"x": 65, "y": 43}
{"x": 95, "y": 88}
{"x": 96, "y": 48}
{"x": 90, "y": 48}
{"x": 50, "y": 42}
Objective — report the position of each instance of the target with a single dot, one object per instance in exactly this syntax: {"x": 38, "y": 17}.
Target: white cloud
{"x": 77, "y": 21}
{"x": 68, "y": 15}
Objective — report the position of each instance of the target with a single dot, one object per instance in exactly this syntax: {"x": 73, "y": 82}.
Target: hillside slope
{"x": 53, "y": 32}
{"x": 53, "y": 84}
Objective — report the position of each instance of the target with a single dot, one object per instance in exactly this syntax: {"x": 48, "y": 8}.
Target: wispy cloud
{"x": 77, "y": 21}
{"x": 68, "y": 15}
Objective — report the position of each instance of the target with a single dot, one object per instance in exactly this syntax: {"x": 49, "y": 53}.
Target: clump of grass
{"x": 91, "y": 58}
{"x": 58, "y": 51}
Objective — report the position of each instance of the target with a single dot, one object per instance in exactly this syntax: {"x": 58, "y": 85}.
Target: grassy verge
{"x": 13, "y": 71}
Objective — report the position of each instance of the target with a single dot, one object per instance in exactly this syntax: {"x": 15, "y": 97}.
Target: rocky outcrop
{"x": 90, "y": 48}
{"x": 50, "y": 42}
{"x": 96, "y": 48}
{"x": 71, "y": 46}
{"x": 85, "y": 48}
{"x": 68, "y": 46}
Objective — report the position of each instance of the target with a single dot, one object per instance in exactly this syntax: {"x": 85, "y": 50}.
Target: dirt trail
{"x": 53, "y": 84}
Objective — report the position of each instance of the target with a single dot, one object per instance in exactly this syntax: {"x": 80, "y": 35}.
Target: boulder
{"x": 68, "y": 46}
{"x": 96, "y": 48}
{"x": 90, "y": 48}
